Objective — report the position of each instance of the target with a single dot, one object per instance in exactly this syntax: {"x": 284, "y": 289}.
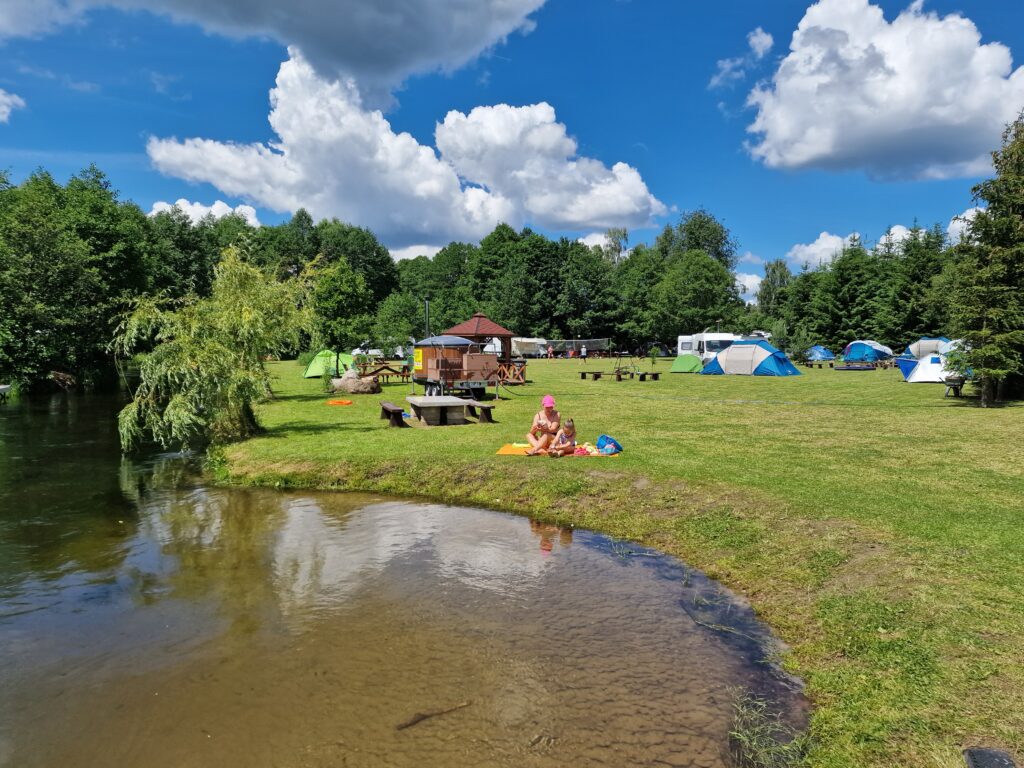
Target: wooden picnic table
{"x": 383, "y": 371}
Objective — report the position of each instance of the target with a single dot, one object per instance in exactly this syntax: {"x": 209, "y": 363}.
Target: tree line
{"x": 74, "y": 258}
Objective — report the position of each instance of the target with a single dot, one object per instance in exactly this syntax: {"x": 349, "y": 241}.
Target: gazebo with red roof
{"x": 480, "y": 328}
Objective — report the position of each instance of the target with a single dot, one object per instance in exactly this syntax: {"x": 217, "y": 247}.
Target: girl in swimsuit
{"x": 565, "y": 441}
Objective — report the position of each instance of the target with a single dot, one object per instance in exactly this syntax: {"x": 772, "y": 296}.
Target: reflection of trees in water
{"x": 61, "y": 506}
{"x": 222, "y": 544}
{"x": 165, "y": 472}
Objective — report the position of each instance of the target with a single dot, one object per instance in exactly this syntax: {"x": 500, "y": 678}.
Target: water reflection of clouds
{"x": 319, "y": 558}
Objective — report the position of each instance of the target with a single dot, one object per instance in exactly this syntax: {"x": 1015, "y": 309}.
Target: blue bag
{"x": 608, "y": 444}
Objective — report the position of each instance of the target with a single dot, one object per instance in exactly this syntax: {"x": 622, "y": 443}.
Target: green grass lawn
{"x": 875, "y": 525}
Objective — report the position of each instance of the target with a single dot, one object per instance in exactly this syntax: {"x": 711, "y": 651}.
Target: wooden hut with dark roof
{"x": 481, "y": 329}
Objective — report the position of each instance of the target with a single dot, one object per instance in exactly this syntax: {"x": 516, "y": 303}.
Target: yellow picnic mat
{"x": 511, "y": 449}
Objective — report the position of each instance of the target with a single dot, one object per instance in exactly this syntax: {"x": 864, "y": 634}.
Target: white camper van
{"x": 705, "y": 345}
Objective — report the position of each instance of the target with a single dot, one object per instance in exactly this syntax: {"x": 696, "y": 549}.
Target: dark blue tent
{"x": 819, "y": 354}
{"x": 751, "y": 358}
{"x": 866, "y": 351}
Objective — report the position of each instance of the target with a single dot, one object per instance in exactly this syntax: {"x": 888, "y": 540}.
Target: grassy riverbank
{"x": 875, "y": 525}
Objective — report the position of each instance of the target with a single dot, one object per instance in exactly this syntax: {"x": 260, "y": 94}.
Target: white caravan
{"x": 705, "y": 345}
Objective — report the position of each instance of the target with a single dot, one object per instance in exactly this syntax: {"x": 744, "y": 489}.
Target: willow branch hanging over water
{"x": 201, "y": 359}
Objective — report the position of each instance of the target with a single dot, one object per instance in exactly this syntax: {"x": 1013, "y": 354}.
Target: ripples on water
{"x": 150, "y": 620}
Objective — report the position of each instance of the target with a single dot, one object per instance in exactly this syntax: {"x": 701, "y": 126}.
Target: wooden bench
{"x": 392, "y": 413}
{"x": 485, "y": 416}
{"x": 595, "y": 375}
{"x": 654, "y": 375}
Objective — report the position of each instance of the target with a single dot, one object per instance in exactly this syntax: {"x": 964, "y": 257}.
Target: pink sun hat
{"x": 548, "y": 401}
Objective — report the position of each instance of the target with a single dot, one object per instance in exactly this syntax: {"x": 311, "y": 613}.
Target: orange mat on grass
{"x": 510, "y": 449}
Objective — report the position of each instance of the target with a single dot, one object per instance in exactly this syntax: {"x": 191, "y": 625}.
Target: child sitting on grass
{"x": 564, "y": 443}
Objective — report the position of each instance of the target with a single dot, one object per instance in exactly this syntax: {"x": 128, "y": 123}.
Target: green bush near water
{"x": 874, "y": 524}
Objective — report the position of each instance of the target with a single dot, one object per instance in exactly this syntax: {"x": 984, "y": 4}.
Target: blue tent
{"x": 906, "y": 365}
{"x": 751, "y": 358}
{"x": 866, "y": 351}
{"x": 818, "y": 354}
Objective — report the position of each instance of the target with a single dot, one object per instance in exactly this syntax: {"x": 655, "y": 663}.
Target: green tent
{"x": 686, "y": 364}
{"x": 325, "y": 361}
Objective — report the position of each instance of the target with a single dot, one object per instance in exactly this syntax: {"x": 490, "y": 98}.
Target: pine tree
{"x": 987, "y": 302}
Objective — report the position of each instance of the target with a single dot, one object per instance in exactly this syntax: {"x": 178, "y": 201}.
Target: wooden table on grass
{"x": 438, "y": 411}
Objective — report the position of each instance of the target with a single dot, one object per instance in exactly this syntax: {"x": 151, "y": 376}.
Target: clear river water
{"x": 150, "y": 619}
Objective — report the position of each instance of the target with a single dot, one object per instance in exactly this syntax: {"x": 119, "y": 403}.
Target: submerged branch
{"x": 419, "y": 717}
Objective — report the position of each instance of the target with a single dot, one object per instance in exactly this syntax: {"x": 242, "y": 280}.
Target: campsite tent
{"x": 926, "y": 345}
{"x": 906, "y": 364}
{"x": 819, "y": 354}
{"x": 866, "y": 351}
{"x": 325, "y": 361}
{"x": 686, "y": 364}
{"x": 930, "y": 369}
{"x": 529, "y": 347}
{"x": 751, "y": 358}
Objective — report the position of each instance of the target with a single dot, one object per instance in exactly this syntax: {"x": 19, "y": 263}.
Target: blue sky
{"x": 876, "y": 115}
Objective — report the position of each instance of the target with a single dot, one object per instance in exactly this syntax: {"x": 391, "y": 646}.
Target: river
{"x": 147, "y": 618}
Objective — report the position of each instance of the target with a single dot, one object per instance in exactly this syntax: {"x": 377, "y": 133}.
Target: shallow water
{"x": 147, "y": 619}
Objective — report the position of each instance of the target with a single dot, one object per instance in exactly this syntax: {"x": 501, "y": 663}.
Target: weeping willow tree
{"x": 201, "y": 359}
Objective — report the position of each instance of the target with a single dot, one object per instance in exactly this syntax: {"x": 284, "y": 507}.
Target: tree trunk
{"x": 249, "y": 425}
{"x": 987, "y": 389}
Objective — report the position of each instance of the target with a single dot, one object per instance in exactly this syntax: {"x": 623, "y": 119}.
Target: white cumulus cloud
{"x": 594, "y": 239}
{"x": 334, "y": 157}
{"x": 917, "y": 97}
{"x": 526, "y": 156}
{"x": 412, "y": 251}
{"x": 380, "y": 42}
{"x": 760, "y": 42}
{"x": 729, "y": 71}
{"x": 8, "y": 103}
{"x": 750, "y": 258}
{"x": 29, "y": 18}
{"x": 957, "y": 228}
{"x": 896, "y": 234}
{"x": 197, "y": 211}
{"x": 748, "y": 285}
{"x": 821, "y": 251}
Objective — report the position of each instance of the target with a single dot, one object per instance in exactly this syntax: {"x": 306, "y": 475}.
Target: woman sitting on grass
{"x": 546, "y": 425}
{"x": 564, "y": 443}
